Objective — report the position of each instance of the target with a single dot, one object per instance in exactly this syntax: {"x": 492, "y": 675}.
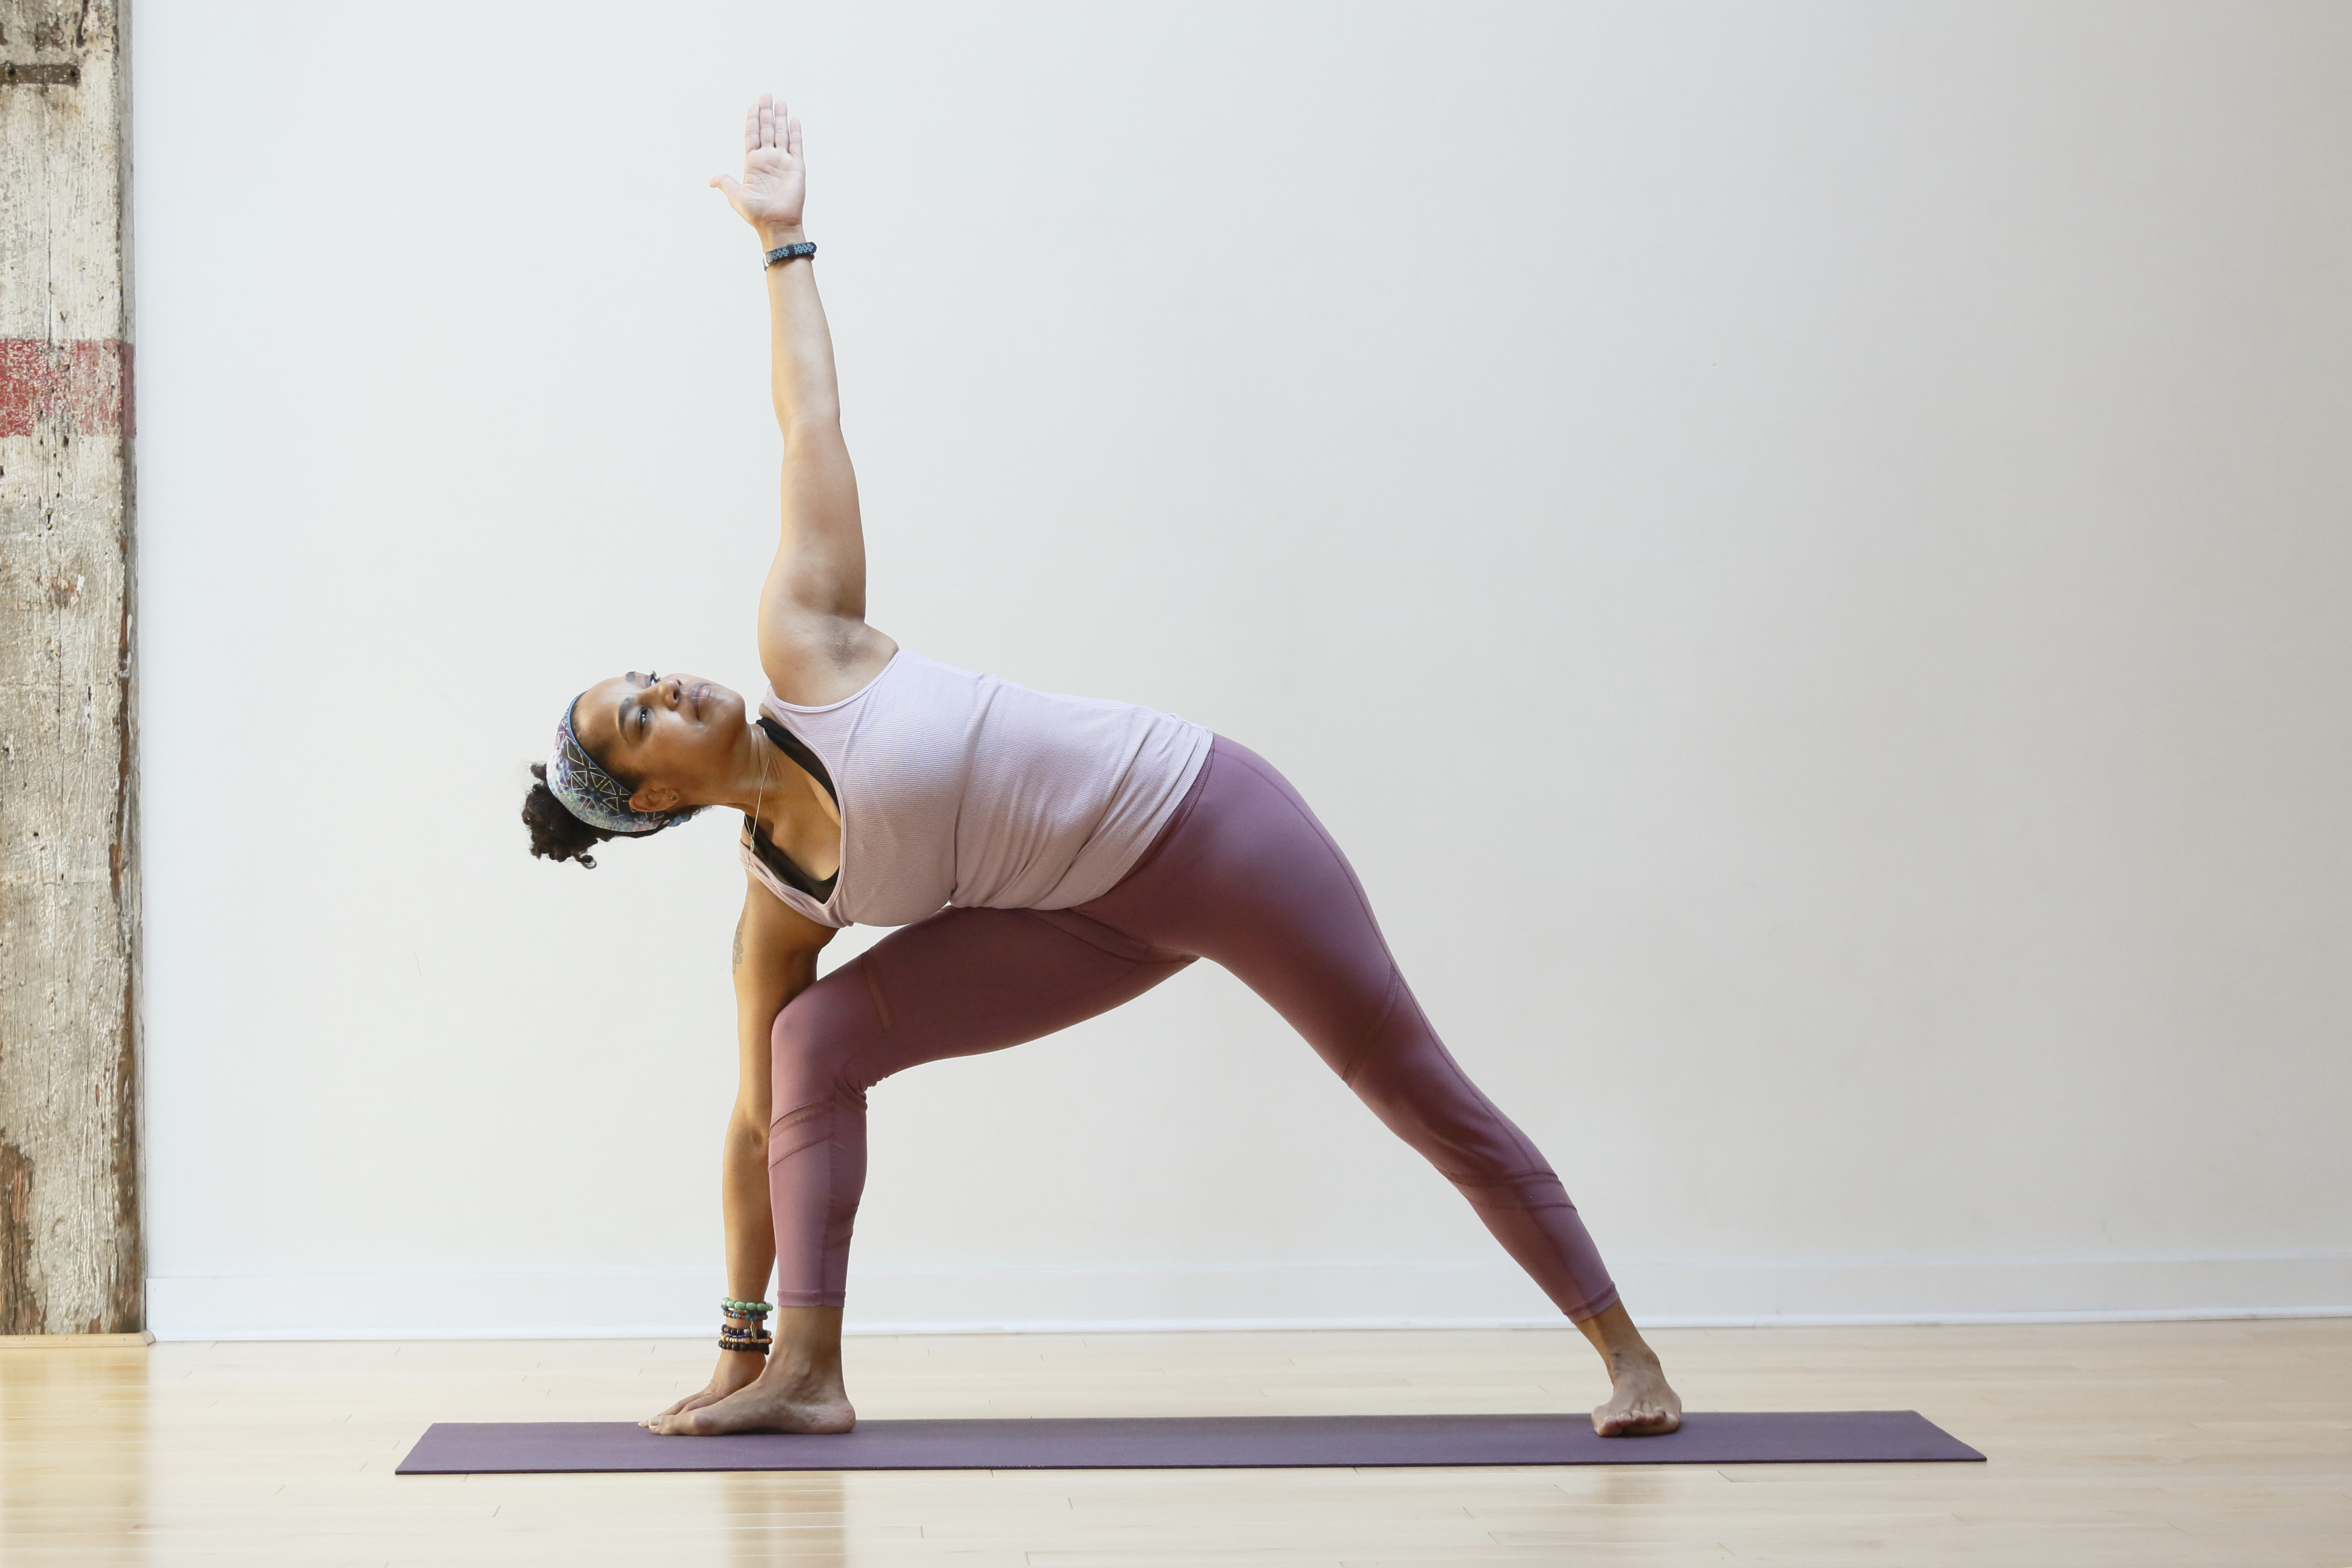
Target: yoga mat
{"x": 1189, "y": 1442}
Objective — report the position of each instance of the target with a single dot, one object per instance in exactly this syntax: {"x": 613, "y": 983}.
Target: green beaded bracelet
{"x": 746, "y": 1309}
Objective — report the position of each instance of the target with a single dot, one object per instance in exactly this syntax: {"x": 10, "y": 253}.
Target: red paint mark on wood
{"x": 81, "y": 383}
{"x": 24, "y": 383}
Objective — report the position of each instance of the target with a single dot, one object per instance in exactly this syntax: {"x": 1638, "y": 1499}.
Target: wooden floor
{"x": 2139, "y": 1445}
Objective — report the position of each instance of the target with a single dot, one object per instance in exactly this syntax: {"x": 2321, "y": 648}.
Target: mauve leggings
{"x": 1243, "y": 874}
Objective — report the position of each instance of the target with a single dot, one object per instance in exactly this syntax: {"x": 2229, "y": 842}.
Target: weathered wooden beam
{"x": 71, "y": 1259}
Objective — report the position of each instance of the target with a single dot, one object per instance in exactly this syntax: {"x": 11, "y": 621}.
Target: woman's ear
{"x": 653, "y": 798}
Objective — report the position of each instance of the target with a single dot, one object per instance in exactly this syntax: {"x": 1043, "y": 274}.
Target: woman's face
{"x": 673, "y": 735}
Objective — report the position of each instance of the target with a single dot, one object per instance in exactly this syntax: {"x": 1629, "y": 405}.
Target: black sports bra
{"x": 773, "y": 859}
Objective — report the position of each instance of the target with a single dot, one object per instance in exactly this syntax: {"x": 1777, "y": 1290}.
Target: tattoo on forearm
{"x": 739, "y": 945}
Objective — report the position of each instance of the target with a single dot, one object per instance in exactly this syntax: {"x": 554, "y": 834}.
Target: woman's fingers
{"x": 770, "y": 123}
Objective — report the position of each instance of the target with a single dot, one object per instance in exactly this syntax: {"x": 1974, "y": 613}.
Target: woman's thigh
{"x": 957, "y": 983}
{"x": 1250, "y": 878}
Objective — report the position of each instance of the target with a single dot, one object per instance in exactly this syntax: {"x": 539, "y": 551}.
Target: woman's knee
{"x": 1423, "y": 1094}
{"x": 810, "y": 1045}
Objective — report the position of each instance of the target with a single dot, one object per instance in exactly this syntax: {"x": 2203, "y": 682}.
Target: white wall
{"x": 1802, "y": 548}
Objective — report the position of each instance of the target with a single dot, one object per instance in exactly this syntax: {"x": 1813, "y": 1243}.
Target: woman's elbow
{"x": 748, "y": 1130}
{"x": 811, "y": 426}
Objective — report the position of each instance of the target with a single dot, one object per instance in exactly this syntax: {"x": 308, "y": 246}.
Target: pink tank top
{"x": 962, "y": 789}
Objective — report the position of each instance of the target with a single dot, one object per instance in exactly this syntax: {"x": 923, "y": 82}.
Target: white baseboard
{"x": 624, "y": 1304}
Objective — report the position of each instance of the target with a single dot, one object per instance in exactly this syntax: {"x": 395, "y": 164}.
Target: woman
{"x": 1048, "y": 858}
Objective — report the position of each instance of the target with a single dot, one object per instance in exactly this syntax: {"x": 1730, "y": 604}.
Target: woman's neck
{"x": 791, "y": 807}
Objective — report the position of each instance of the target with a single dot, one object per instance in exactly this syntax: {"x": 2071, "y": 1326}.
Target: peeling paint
{"x": 80, "y": 387}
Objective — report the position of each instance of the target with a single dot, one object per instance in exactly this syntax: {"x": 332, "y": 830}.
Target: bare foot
{"x": 1640, "y": 1403}
{"x": 781, "y": 1400}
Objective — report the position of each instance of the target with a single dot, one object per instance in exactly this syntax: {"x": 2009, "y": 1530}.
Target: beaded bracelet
{"x": 745, "y": 1309}
{"x": 754, "y": 1340}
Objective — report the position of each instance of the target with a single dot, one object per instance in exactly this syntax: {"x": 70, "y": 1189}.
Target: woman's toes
{"x": 1638, "y": 1415}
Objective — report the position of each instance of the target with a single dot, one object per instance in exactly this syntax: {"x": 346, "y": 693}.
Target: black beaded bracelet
{"x": 790, "y": 252}
{"x": 749, "y": 1347}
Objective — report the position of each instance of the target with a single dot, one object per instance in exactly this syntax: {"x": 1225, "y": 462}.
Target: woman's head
{"x": 633, "y": 756}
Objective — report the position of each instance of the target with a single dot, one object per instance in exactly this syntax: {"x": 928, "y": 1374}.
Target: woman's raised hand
{"x": 775, "y": 181}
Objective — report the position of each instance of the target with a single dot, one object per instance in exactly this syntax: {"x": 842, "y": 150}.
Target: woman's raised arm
{"x": 814, "y": 644}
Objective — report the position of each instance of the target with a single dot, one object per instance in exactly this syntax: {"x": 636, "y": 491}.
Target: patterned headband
{"x": 591, "y": 794}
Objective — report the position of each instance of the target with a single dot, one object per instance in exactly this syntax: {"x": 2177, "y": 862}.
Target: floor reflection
{"x": 73, "y": 1454}
{"x": 781, "y": 1519}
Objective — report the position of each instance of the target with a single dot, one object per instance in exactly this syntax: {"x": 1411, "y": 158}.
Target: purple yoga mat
{"x": 1190, "y": 1442}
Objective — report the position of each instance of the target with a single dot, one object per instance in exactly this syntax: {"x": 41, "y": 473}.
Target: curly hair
{"x": 555, "y": 833}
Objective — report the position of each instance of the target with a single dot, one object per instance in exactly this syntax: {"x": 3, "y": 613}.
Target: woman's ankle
{"x": 808, "y": 1345}
{"x": 1619, "y": 1343}
{"x": 808, "y": 1368}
